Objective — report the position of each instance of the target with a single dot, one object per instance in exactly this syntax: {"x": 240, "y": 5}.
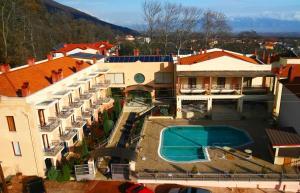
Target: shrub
{"x": 52, "y": 174}
{"x": 66, "y": 173}
{"x": 84, "y": 149}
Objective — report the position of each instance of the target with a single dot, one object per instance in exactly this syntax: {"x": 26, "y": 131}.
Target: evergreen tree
{"x": 84, "y": 149}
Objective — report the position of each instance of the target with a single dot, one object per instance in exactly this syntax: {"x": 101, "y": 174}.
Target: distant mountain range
{"x": 53, "y": 7}
{"x": 264, "y": 25}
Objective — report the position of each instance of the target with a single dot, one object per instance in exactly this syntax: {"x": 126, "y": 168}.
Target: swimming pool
{"x": 189, "y": 143}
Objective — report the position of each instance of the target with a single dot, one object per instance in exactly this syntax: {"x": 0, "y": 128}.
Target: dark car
{"x": 189, "y": 190}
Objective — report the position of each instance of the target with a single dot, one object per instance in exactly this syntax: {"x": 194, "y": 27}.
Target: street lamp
{"x": 2, "y": 179}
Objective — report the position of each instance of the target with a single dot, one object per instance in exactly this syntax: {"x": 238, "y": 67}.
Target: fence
{"x": 85, "y": 172}
{"x": 217, "y": 176}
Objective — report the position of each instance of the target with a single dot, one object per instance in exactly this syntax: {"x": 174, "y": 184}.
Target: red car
{"x": 138, "y": 188}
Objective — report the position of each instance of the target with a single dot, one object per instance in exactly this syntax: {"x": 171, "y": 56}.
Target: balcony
{"x": 65, "y": 113}
{"x": 224, "y": 89}
{"x": 77, "y": 103}
{"x": 85, "y": 96}
{"x": 254, "y": 90}
{"x": 79, "y": 123}
{"x": 93, "y": 90}
{"x": 55, "y": 148}
{"x": 102, "y": 85}
{"x": 192, "y": 89}
{"x": 87, "y": 114}
{"x": 52, "y": 125}
{"x": 104, "y": 100}
{"x": 68, "y": 134}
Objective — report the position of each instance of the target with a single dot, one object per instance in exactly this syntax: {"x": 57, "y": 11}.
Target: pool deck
{"x": 222, "y": 161}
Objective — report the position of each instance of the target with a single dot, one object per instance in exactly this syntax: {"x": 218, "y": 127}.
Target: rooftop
{"x": 97, "y": 46}
{"x": 152, "y": 58}
{"x": 286, "y": 136}
{"x": 83, "y": 55}
{"x": 38, "y": 75}
{"x": 212, "y": 55}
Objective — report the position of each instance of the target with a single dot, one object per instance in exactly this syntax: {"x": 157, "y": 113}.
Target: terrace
{"x": 52, "y": 125}
{"x": 68, "y": 134}
{"x": 85, "y": 96}
{"x": 65, "y": 113}
{"x": 77, "y": 103}
{"x": 224, "y": 161}
{"x": 55, "y": 148}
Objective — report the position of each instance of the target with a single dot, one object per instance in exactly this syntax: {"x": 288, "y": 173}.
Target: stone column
{"x": 240, "y": 105}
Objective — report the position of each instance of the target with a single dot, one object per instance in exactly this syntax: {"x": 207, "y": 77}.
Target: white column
{"x": 240, "y": 105}
{"x": 179, "y": 108}
{"x": 209, "y": 106}
{"x": 277, "y": 99}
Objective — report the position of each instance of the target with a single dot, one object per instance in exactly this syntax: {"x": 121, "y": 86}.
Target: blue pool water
{"x": 188, "y": 143}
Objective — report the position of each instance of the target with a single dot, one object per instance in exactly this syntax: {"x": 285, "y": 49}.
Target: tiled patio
{"x": 234, "y": 162}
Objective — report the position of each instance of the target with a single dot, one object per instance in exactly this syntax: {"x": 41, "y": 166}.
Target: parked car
{"x": 189, "y": 190}
{"x": 138, "y": 188}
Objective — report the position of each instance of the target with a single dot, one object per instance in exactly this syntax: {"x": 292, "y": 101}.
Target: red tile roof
{"x": 212, "y": 55}
{"x": 38, "y": 75}
{"x": 96, "y": 46}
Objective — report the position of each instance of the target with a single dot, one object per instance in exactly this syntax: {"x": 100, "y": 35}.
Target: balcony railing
{"x": 77, "y": 103}
{"x": 93, "y": 90}
{"x": 68, "y": 134}
{"x": 52, "y": 125}
{"x": 85, "y": 96}
{"x": 186, "y": 88}
{"x": 65, "y": 113}
{"x": 87, "y": 114}
{"x": 79, "y": 123}
{"x": 103, "y": 84}
{"x": 55, "y": 148}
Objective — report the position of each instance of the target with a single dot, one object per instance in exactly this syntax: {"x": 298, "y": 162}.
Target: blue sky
{"x": 129, "y": 12}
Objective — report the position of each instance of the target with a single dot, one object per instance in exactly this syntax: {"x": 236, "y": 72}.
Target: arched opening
{"x": 139, "y": 95}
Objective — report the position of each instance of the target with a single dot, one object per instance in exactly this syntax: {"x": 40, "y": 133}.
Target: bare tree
{"x": 187, "y": 22}
{"x": 213, "y": 24}
{"x": 152, "y": 9}
{"x": 167, "y": 22}
{"x": 7, "y": 7}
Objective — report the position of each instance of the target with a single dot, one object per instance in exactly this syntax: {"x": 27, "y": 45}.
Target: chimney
{"x": 60, "y": 74}
{"x": 31, "y": 61}
{"x": 5, "y": 68}
{"x": 157, "y": 51}
{"x": 117, "y": 52}
{"x": 64, "y": 53}
{"x": 54, "y": 76}
{"x": 136, "y": 52}
{"x": 78, "y": 65}
{"x": 201, "y": 51}
{"x": 264, "y": 56}
{"x": 255, "y": 52}
{"x": 94, "y": 60}
{"x": 205, "y": 51}
{"x": 50, "y": 56}
{"x": 25, "y": 89}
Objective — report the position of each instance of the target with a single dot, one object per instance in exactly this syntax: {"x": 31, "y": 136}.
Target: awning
{"x": 286, "y": 136}
{"x": 226, "y": 73}
{"x": 139, "y": 87}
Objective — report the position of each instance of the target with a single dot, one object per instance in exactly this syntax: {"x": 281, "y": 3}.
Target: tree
{"x": 117, "y": 108}
{"x": 168, "y": 20}
{"x": 214, "y": 24}
{"x": 52, "y": 174}
{"x": 188, "y": 19}
{"x": 84, "y": 149}
{"x": 107, "y": 124}
{"x": 152, "y": 10}
{"x": 7, "y": 7}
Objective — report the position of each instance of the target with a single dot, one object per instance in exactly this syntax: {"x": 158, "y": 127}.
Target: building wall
{"x": 289, "y": 110}
{"x": 27, "y": 134}
{"x": 148, "y": 69}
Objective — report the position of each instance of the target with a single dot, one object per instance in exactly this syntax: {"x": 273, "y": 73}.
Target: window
{"x": 42, "y": 117}
{"x": 115, "y": 78}
{"x": 11, "y": 123}
{"x": 247, "y": 82}
{"x": 16, "y": 148}
{"x": 221, "y": 81}
{"x": 163, "y": 77}
{"x": 139, "y": 78}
